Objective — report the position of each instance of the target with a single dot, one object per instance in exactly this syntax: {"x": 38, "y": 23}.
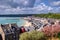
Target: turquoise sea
{"x": 8, "y": 20}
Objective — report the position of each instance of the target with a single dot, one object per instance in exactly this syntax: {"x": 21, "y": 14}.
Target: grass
{"x": 34, "y": 35}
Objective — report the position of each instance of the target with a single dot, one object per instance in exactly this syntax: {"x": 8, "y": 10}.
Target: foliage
{"x": 51, "y": 30}
{"x": 34, "y": 35}
{"x": 58, "y": 35}
{"x": 49, "y": 15}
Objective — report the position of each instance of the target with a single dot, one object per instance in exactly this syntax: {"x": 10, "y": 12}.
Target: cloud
{"x": 16, "y": 3}
{"x": 55, "y": 3}
{"x": 37, "y": 9}
{"x": 42, "y": 7}
{"x": 56, "y": 10}
{"x": 27, "y": 7}
{"x": 37, "y": 2}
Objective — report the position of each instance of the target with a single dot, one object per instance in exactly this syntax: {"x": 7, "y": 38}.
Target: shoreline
{"x": 27, "y": 23}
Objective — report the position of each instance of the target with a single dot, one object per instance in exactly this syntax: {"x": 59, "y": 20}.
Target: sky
{"x": 29, "y": 6}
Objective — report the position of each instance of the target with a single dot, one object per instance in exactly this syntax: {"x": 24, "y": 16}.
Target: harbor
{"x": 13, "y": 27}
{"x": 40, "y": 23}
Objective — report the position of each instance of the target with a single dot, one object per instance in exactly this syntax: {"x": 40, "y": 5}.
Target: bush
{"x": 34, "y": 35}
{"x": 51, "y": 31}
{"x": 49, "y": 15}
{"x": 58, "y": 35}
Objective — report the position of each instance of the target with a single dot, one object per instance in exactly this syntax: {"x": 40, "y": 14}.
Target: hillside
{"x": 49, "y": 15}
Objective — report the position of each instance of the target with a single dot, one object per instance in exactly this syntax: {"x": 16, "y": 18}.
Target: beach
{"x": 27, "y": 23}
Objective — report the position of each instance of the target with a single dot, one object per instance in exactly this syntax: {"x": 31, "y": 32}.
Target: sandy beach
{"x": 27, "y": 23}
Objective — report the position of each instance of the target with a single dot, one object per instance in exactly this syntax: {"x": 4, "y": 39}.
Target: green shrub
{"x": 34, "y": 35}
{"x": 58, "y": 35}
{"x": 49, "y": 15}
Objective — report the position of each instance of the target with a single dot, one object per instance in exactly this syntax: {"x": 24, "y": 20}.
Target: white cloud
{"x": 26, "y": 3}
{"x": 55, "y": 3}
{"x": 13, "y": 9}
{"x": 50, "y": 8}
{"x": 4, "y": 6}
{"x": 42, "y": 8}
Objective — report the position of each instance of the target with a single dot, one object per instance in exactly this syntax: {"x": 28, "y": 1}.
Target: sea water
{"x": 8, "y": 20}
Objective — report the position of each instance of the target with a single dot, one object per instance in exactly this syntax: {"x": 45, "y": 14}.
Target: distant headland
{"x": 16, "y": 15}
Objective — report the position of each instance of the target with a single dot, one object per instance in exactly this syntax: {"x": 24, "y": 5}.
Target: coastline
{"x": 27, "y": 23}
